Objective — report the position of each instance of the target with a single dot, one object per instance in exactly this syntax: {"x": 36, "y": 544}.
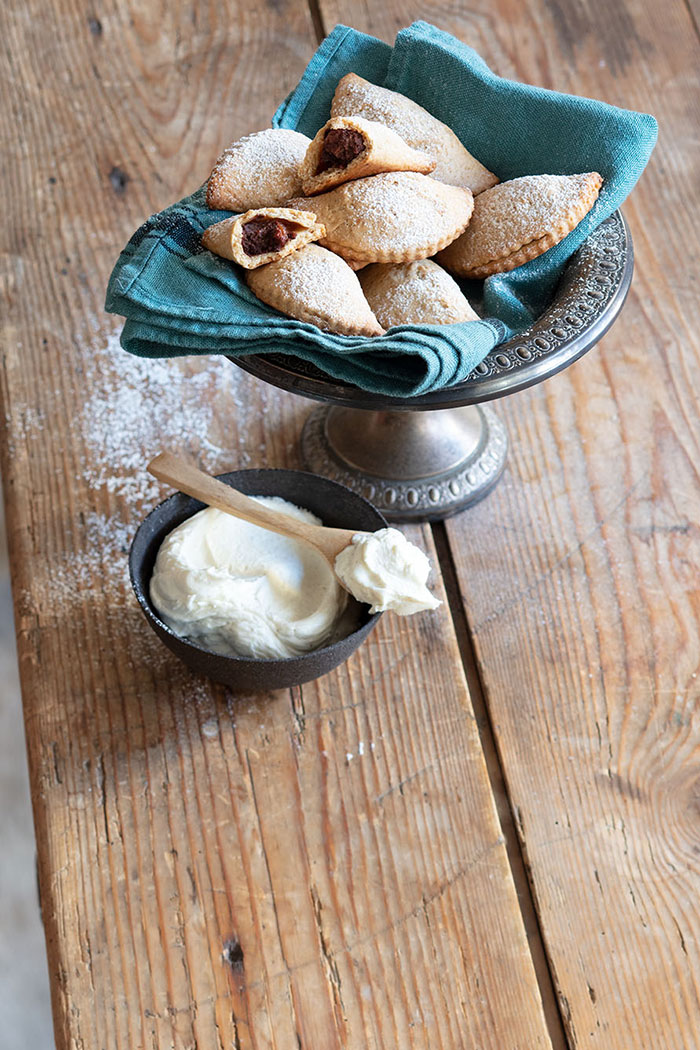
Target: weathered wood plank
{"x": 579, "y": 574}
{"x": 314, "y": 868}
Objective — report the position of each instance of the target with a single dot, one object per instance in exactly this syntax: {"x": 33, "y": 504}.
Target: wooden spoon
{"x": 188, "y": 478}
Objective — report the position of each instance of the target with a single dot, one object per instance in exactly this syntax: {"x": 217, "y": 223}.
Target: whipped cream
{"x": 387, "y": 571}
{"x": 241, "y": 590}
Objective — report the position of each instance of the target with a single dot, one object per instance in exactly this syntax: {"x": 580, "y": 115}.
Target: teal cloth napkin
{"x": 180, "y": 299}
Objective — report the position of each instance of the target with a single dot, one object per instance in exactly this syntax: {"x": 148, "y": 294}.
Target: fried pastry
{"x": 518, "y": 220}
{"x": 351, "y": 148}
{"x": 454, "y": 164}
{"x": 262, "y": 235}
{"x": 258, "y": 171}
{"x": 315, "y": 285}
{"x": 418, "y": 292}
{"x": 394, "y": 217}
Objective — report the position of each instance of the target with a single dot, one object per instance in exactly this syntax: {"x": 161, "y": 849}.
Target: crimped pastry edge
{"x": 533, "y": 249}
{"x": 357, "y": 260}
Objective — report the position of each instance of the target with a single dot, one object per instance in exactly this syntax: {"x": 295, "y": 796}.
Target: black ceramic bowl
{"x": 334, "y": 504}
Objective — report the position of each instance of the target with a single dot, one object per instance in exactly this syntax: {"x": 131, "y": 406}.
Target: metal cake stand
{"x": 425, "y": 458}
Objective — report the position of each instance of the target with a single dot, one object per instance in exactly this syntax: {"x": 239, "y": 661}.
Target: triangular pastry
{"x": 262, "y": 235}
{"x": 315, "y": 285}
{"x": 395, "y": 217}
{"x": 420, "y": 129}
{"x": 518, "y": 220}
{"x": 258, "y": 171}
{"x": 351, "y": 148}
{"x": 418, "y": 292}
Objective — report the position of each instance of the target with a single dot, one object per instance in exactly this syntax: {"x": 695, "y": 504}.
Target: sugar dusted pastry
{"x": 262, "y": 235}
{"x": 418, "y": 292}
{"x": 420, "y": 129}
{"x": 258, "y": 171}
{"x": 351, "y": 148}
{"x": 315, "y": 285}
{"x": 394, "y": 217}
{"x": 518, "y": 220}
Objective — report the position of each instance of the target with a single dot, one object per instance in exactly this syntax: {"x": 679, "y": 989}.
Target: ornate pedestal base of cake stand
{"x": 425, "y": 458}
{"x": 414, "y": 465}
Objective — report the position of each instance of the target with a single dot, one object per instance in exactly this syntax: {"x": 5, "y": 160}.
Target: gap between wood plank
{"x": 317, "y": 19}
{"x": 693, "y": 18}
{"x": 538, "y": 952}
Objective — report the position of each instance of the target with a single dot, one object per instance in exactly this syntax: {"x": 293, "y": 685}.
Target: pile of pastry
{"x": 387, "y": 190}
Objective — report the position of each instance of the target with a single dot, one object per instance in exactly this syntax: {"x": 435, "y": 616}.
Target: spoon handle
{"x": 189, "y": 479}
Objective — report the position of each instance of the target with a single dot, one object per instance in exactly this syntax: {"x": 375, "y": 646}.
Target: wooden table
{"x": 483, "y": 830}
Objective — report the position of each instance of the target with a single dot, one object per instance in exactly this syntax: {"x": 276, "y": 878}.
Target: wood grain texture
{"x": 320, "y": 867}
{"x": 580, "y": 573}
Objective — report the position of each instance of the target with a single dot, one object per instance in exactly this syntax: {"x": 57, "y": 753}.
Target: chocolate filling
{"x": 340, "y": 146}
{"x": 263, "y": 235}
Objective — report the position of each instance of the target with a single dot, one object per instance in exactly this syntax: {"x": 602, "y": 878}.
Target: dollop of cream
{"x": 241, "y": 590}
{"x": 387, "y": 571}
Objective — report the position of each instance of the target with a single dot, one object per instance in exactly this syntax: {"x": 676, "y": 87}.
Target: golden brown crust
{"x": 518, "y": 220}
{"x": 225, "y": 238}
{"x": 383, "y": 151}
{"x": 393, "y": 217}
{"x": 258, "y": 171}
{"x": 418, "y": 292}
{"x": 455, "y": 165}
{"x": 316, "y": 286}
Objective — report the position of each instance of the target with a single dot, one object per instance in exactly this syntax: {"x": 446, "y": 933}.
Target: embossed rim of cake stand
{"x": 589, "y": 297}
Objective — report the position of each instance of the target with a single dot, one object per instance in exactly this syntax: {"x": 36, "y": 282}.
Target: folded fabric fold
{"x": 180, "y": 299}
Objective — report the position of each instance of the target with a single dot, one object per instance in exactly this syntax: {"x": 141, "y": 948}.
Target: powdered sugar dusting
{"x": 314, "y": 281}
{"x": 259, "y": 170}
{"x": 135, "y": 408}
{"x": 420, "y": 129}
{"x": 414, "y": 293}
{"x": 394, "y": 213}
{"x": 511, "y": 215}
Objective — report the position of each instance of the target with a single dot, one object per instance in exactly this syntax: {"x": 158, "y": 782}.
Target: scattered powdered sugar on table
{"x": 141, "y": 407}
{"x": 134, "y": 409}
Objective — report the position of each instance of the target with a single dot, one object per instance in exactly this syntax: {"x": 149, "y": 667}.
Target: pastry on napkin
{"x": 420, "y": 129}
{"x": 178, "y": 298}
{"x": 394, "y": 217}
{"x": 414, "y": 293}
{"x": 351, "y": 148}
{"x": 518, "y": 220}
{"x": 258, "y": 171}
{"x": 262, "y": 235}
{"x": 316, "y": 286}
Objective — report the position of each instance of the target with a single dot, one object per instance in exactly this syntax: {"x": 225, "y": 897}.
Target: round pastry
{"x": 518, "y": 220}
{"x": 258, "y": 171}
{"x": 315, "y": 285}
{"x": 419, "y": 292}
{"x": 395, "y": 217}
{"x": 454, "y": 164}
{"x": 351, "y": 148}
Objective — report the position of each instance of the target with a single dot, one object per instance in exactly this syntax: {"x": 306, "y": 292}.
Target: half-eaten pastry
{"x": 518, "y": 220}
{"x": 258, "y": 171}
{"x": 262, "y": 235}
{"x": 395, "y": 217}
{"x": 419, "y": 292}
{"x": 420, "y": 129}
{"x": 351, "y": 148}
{"x": 315, "y": 285}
